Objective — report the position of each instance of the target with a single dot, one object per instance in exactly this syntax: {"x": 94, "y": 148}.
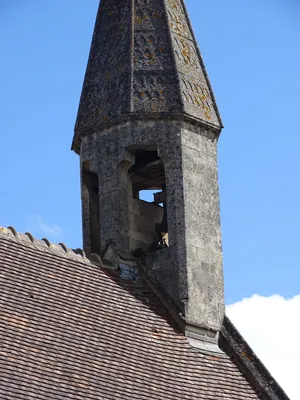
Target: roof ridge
{"x": 45, "y": 244}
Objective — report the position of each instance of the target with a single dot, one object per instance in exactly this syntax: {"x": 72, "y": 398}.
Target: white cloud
{"x": 271, "y": 326}
{"x": 37, "y": 226}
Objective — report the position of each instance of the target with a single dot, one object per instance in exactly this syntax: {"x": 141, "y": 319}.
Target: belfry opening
{"x": 148, "y": 184}
{"x": 90, "y": 187}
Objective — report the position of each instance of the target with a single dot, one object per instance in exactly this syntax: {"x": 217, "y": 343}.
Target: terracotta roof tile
{"x": 73, "y": 330}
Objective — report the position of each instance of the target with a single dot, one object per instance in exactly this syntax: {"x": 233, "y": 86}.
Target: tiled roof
{"x": 70, "y": 329}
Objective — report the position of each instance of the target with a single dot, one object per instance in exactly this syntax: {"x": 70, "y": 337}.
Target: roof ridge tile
{"x": 60, "y": 249}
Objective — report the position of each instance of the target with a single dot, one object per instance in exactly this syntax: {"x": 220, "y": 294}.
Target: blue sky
{"x": 251, "y": 50}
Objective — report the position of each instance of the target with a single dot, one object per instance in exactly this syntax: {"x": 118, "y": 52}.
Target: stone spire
{"x": 144, "y": 61}
{"x": 148, "y": 120}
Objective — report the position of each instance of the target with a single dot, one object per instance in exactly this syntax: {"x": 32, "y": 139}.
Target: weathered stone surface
{"x": 144, "y": 60}
{"x": 142, "y": 222}
{"x": 190, "y": 270}
{"x": 146, "y": 89}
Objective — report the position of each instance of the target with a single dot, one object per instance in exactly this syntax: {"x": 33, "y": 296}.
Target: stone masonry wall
{"x": 190, "y": 270}
{"x": 142, "y": 219}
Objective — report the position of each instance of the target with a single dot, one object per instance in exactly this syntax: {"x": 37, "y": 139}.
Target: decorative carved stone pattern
{"x": 197, "y": 95}
{"x": 155, "y": 88}
{"x": 155, "y": 93}
{"x": 178, "y": 22}
{"x": 187, "y": 57}
{"x": 143, "y": 59}
{"x": 151, "y": 52}
{"x": 195, "y": 90}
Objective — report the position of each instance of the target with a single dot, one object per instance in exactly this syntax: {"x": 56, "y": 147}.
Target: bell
{"x": 158, "y": 244}
{"x": 161, "y": 231}
{"x": 162, "y": 228}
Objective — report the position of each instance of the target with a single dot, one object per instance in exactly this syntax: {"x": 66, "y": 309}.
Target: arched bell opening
{"x": 90, "y": 189}
{"x": 149, "y": 202}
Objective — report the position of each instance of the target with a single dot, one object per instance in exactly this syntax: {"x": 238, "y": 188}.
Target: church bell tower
{"x": 148, "y": 119}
